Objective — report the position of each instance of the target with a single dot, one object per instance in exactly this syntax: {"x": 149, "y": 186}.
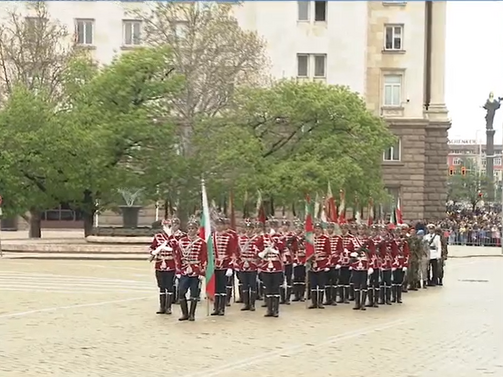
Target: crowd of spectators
{"x": 464, "y": 225}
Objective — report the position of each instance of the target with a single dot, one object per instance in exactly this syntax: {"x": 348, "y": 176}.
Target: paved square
{"x": 97, "y": 318}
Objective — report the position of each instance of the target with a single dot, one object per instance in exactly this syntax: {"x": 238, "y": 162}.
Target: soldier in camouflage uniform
{"x": 441, "y": 263}
{"x": 416, "y": 247}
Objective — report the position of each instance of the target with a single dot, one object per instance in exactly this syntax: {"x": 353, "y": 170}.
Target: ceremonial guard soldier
{"x": 298, "y": 249}
{"x": 400, "y": 264}
{"x": 271, "y": 268}
{"x": 287, "y": 240}
{"x": 349, "y": 244}
{"x": 163, "y": 251}
{"x": 191, "y": 263}
{"x": 250, "y": 244}
{"x": 386, "y": 264}
{"x": 360, "y": 270}
{"x": 332, "y": 276}
{"x": 176, "y": 234}
{"x": 225, "y": 251}
{"x": 319, "y": 266}
{"x": 375, "y": 244}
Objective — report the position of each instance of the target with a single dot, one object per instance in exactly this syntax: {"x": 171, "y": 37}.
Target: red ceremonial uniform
{"x": 406, "y": 253}
{"x": 272, "y": 258}
{"x": 192, "y": 256}
{"x": 322, "y": 253}
{"x": 375, "y": 252}
{"x": 361, "y": 262}
{"x": 178, "y": 235}
{"x": 249, "y": 247}
{"x": 165, "y": 260}
{"x": 391, "y": 253}
{"x": 349, "y": 244}
{"x": 335, "y": 249}
{"x": 287, "y": 240}
{"x": 399, "y": 258}
{"x": 225, "y": 244}
{"x": 298, "y": 250}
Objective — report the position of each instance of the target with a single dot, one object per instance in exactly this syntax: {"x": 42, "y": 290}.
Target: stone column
{"x": 490, "y": 165}
{"x": 438, "y": 109}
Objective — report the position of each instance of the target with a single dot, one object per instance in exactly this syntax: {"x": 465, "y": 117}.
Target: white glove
{"x": 295, "y": 265}
{"x": 393, "y": 269}
{"x": 228, "y": 273}
{"x": 155, "y": 252}
{"x": 262, "y": 254}
{"x": 167, "y": 248}
{"x": 337, "y": 266}
{"x": 371, "y": 271}
{"x": 353, "y": 255}
{"x": 405, "y": 269}
{"x": 274, "y": 251}
{"x": 201, "y": 278}
{"x": 350, "y": 268}
{"x": 327, "y": 269}
{"x": 178, "y": 276}
{"x": 346, "y": 250}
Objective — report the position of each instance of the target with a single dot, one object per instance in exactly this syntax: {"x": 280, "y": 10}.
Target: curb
{"x": 97, "y": 258}
{"x": 476, "y": 256}
{"x": 97, "y": 252}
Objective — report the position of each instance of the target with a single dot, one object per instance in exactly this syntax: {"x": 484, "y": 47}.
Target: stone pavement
{"x": 87, "y": 318}
{"x": 64, "y": 244}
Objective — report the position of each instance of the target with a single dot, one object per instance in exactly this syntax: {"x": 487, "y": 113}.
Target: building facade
{"x": 391, "y": 52}
{"x": 472, "y": 153}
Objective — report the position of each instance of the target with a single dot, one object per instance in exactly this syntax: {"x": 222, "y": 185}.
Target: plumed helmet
{"x": 285, "y": 222}
{"x": 272, "y": 222}
{"x": 220, "y": 221}
{"x": 193, "y": 223}
{"x": 330, "y": 225}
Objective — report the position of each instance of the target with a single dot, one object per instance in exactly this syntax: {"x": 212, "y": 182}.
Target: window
{"x": 131, "y": 33}
{"x": 303, "y": 8}
{"x": 319, "y": 65}
{"x": 394, "y": 37}
{"x": 392, "y": 153}
{"x": 84, "y": 33}
{"x": 457, "y": 161}
{"x": 392, "y": 90}
{"x": 302, "y": 65}
{"x": 497, "y": 161}
{"x": 312, "y": 66}
{"x": 320, "y": 10}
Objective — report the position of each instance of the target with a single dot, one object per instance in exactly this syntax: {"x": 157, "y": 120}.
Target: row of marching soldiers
{"x": 367, "y": 265}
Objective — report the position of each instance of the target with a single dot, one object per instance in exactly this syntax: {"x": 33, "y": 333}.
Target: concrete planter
{"x": 130, "y": 215}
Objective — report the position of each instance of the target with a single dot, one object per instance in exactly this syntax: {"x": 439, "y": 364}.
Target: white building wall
{"x": 343, "y": 37}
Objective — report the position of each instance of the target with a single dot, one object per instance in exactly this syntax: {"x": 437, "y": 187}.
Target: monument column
{"x": 492, "y": 105}
{"x": 437, "y": 108}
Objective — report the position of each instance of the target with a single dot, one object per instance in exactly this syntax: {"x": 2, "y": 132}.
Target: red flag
{"x": 309, "y": 228}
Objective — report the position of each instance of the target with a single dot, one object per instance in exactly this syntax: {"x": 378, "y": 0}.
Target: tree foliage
{"x": 469, "y": 187}
{"x": 195, "y": 102}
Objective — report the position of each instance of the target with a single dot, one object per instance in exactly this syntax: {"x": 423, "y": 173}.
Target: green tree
{"x": 34, "y": 53}
{"x": 215, "y": 56}
{"x": 125, "y": 140}
{"x": 467, "y": 187}
{"x": 292, "y": 138}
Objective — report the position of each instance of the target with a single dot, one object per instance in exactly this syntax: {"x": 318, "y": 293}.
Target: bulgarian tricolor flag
{"x": 342, "y": 208}
{"x": 207, "y": 236}
{"x": 309, "y": 228}
{"x": 330, "y": 204}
